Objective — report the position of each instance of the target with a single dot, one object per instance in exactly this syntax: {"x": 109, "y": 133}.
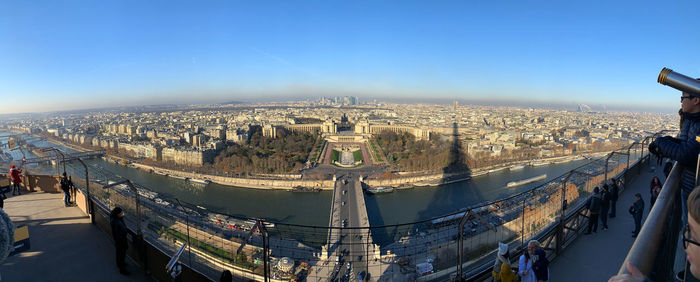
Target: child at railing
{"x": 501, "y": 269}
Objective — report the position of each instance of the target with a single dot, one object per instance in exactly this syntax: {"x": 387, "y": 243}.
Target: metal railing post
{"x": 138, "y": 206}
{"x": 369, "y": 233}
{"x": 628, "y": 155}
{"x": 644, "y": 143}
{"x": 87, "y": 189}
{"x": 607, "y": 160}
{"x": 460, "y": 245}
{"x": 187, "y": 218}
{"x": 266, "y": 250}
{"x": 522, "y": 224}
{"x": 562, "y": 215}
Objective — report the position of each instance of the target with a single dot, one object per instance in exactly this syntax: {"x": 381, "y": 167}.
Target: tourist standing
{"x": 65, "y": 186}
{"x": 541, "y": 265}
{"x": 685, "y": 148}
{"x": 614, "y": 193}
{"x": 691, "y": 244}
{"x": 655, "y": 182}
{"x": 637, "y": 209}
{"x": 655, "y": 195}
{"x": 119, "y": 233}
{"x": 604, "y": 206}
{"x": 525, "y": 263}
{"x": 226, "y": 276}
{"x": 15, "y": 179}
{"x": 501, "y": 268}
{"x": 593, "y": 211}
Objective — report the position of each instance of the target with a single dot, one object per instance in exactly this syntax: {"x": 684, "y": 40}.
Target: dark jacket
{"x": 594, "y": 204}
{"x": 683, "y": 149}
{"x": 541, "y": 265}
{"x": 638, "y": 208}
{"x": 65, "y": 184}
{"x": 614, "y": 191}
{"x": 605, "y": 199}
{"x": 119, "y": 231}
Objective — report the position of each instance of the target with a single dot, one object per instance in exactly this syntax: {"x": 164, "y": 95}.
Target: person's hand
{"x": 634, "y": 275}
{"x": 654, "y": 147}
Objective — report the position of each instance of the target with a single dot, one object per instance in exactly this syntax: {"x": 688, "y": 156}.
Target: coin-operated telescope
{"x": 679, "y": 81}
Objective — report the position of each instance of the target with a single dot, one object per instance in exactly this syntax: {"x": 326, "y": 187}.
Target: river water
{"x": 401, "y": 206}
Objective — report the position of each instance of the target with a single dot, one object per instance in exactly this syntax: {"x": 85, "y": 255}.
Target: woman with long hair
{"x": 654, "y": 190}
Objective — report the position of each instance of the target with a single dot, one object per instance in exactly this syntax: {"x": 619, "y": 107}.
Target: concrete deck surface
{"x": 64, "y": 245}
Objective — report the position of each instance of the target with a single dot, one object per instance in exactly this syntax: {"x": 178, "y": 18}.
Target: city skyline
{"x": 81, "y": 55}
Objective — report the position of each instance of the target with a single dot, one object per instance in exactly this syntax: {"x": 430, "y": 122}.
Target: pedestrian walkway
{"x": 65, "y": 246}
{"x": 598, "y": 256}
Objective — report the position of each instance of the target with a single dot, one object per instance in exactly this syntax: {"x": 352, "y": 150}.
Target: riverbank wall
{"x": 418, "y": 180}
{"x": 284, "y": 184}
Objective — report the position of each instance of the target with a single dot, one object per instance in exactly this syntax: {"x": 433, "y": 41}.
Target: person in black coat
{"x": 637, "y": 210}
{"x": 614, "y": 192}
{"x": 65, "y": 187}
{"x": 594, "y": 211}
{"x": 119, "y": 232}
{"x": 604, "y": 206}
{"x": 226, "y": 276}
{"x": 541, "y": 265}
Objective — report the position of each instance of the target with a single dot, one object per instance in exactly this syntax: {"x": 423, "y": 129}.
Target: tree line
{"x": 284, "y": 154}
{"x": 408, "y": 154}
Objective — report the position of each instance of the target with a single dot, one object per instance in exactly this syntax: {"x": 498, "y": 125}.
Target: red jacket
{"x": 14, "y": 175}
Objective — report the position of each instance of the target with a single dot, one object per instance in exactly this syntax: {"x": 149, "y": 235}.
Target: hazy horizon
{"x": 391, "y": 100}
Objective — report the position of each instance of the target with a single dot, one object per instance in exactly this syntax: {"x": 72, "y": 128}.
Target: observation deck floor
{"x": 65, "y": 246}
{"x": 598, "y": 256}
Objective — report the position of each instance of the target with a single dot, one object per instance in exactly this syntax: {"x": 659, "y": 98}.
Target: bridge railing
{"x": 459, "y": 244}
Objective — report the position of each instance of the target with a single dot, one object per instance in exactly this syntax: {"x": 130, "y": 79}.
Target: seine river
{"x": 401, "y": 206}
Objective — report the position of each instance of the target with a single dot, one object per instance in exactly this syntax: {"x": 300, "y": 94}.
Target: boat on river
{"x": 304, "y": 189}
{"x": 178, "y": 177}
{"x": 496, "y": 169}
{"x": 517, "y": 167}
{"x": 526, "y": 181}
{"x": 540, "y": 163}
{"x": 200, "y": 181}
{"x": 379, "y": 189}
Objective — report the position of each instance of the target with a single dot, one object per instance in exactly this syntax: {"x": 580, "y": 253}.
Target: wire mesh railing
{"x": 459, "y": 244}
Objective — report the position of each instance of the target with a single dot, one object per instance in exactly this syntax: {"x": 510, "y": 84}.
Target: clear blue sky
{"x": 59, "y": 55}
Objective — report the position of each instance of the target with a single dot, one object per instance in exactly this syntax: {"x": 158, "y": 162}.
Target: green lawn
{"x": 335, "y": 156}
{"x": 357, "y": 155}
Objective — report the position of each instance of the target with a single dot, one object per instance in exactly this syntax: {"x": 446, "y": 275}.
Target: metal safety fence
{"x": 459, "y": 245}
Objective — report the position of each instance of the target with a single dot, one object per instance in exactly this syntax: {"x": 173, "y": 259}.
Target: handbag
{"x": 632, "y": 211}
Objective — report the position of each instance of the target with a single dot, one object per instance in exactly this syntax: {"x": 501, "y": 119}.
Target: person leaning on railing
{"x": 691, "y": 243}
{"x": 685, "y": 148}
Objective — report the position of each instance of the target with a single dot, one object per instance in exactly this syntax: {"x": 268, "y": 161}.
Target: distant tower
{"x": 456, "y": 105}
